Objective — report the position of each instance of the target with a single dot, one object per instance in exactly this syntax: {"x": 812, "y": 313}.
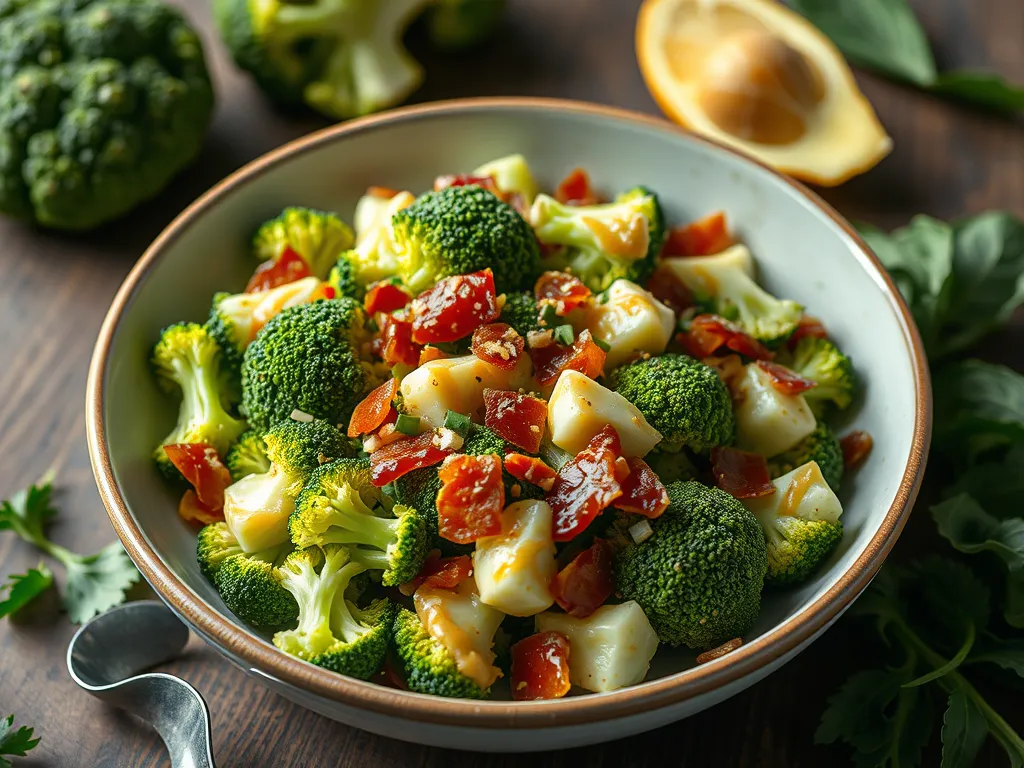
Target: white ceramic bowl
{"x": 805, "y": 251}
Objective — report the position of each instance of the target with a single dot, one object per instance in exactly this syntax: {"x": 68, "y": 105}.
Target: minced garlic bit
{"x": 641, "y": 531}
{"x": 539, "y": 339}
{"x": 447, "y": 439}
{"x": 302, "y": 416}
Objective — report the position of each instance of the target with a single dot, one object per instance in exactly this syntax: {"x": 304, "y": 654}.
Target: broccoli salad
{"x": 488, "y": 432}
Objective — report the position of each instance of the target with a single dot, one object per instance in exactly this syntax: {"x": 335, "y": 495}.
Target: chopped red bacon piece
{"x": 584, "y": 356}
{"x": 784, "y": 380}
{"x": 403, "y": 456}
{"x": 329, "y": 292}
{"x": 431, "y": 353}
{"x": 286, "y": 268}
{"x": 741, "y": 474}
{"x": 703, "y": 237}
{"x": 809, "y": 327}
{"x": 200, "y": 464}
{"x": 856, "y": 447}
{"x": 575, "y": 189}
{"x": 667, "y": 288}
{"x": 517, "y": 417}
{"x": 383, "y": 192}
{"x": 385, "y": 296}
{"x": 373, "y": 410}
{"x": 642, "y": 490}
{"x": 563, "y": 291}
{"x": 471, "y": 498}
{"x": 465, "y": 179}
{"x": 540, "y": 667}
{"x": 396, "y": 344}
{"x": 440, "y": 572}
{"x": 192, "y": 510}
{"x": 498, "y": 344}
{"x": 529, "y": 469}
{"x": 709, "y": 333}
{"x": 585, "y": 485}
{"x": 454, "y": 307}
{"x": 584, "y": 584}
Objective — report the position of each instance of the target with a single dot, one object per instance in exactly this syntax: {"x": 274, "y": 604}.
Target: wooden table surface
{"x": 54, "y": 291}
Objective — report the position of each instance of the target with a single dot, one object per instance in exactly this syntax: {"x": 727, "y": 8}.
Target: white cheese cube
{"x": 511, "y": 174}
{"x": 256, "y": 510}
{"x": 465, "y": 626}
{"x": 767, "y": 421}
{"x": 703, "y": 274}
{"x": 631, "y": 320}
{"x": 801, "y": 493}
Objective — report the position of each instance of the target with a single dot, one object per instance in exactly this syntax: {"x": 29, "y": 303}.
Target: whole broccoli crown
{"x": 248, "y": 456}
{"x": 682, "y": 398}
{"x": 820, "y": 446}
{"x": 300, "y": 447}
{"x": 797, "y": 546}
{"x": 428, "y": 666}
{"x": 821, "y": 361}
{"x": 460, "y": 230}
{"x": 520, "y": 311}
{"x": 306, "y": 358}
{"x": 699, "y": 576}
{"x": 319, "y": 237}
{"x": 215, "y": 544}
{"x": 250, "y": 586}
{"x": 102, "y": 103}
{"x": 364, "y": 636}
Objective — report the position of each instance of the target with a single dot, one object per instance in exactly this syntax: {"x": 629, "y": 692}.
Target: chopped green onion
{"x": 408, "y": 425}
{"x": 603, "y": 344}
{"x": 457, "y": 422}
{"x": 563, "y": 334}
{"x": 548, "y": 315}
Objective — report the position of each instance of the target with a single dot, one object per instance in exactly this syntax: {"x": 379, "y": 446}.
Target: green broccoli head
{"x": 307, "y": 358}
{"x": 699, "y": 576}
{"x": 682, "y": 398}
{"x": 520, "y": 311}
{"x": 332, "y": 631}
{"x": 298, "y": 448}
{"x": 215, "y": 544}
{"x": 821, "y": 361}
{"x": 318, "y": 237}
{"x": 822, "y": 447}
{"x": 341, "y": 57}
{"x": 606, "y": 242}
{"x": 797, "y": 546}
{"x": 344, "y": 277}
{"x": 456, "y": 25}
{"x": 102, "y": 103}
{"x": 248, "y": 456}
{"x": 460, "y": 230}
{"x": 188, "y": 359}
{"x": 429, "y": 667}
{"x": 340, "y": 505}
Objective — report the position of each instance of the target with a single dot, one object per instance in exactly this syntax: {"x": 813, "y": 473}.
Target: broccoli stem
{"x": 371, "y": 559}
{"x": 352, "y": 525}
{"x": 310, "y": 20}
{"x": 343, "y": 624}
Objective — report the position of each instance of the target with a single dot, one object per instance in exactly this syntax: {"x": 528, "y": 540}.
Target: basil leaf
{"x": 964, "y": 730}
{"x": 955, "y": 598}
{"x": 983, "y": 89}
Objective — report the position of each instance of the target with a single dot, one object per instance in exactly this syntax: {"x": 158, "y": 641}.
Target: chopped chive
{"x": 457, "y": 422}
{"x": 563, "y": 334}
{"x": 548, "y": 315}
{"x": 604, "y": 345}
{"x": 408, "y": 425}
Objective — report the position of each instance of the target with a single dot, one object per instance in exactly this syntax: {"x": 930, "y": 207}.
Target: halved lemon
{"x": 756, "y": 76}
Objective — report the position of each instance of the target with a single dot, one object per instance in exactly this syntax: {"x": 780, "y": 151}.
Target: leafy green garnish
{"x": 22, "y": 589}
{"x": 15, "y": 743}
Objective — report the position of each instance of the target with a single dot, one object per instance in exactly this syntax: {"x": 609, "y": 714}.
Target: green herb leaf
{"x": 950, "y": 665}
{"x": 983, "y": 89}
{"x": 964, "y": 730}
{"x": 1014, "y": 610}
{"x": 996, "y": 483}
{"x": 27, "y": 511}
{"x": 14, "y": 742}
{"x": 1008, "y": 654}
{"x": 978, "y": 406}
{"x": 457, "y": 422}
{"x": 971, "y": 529}
{"x": 882, "y": 35}
{"x": 955, "y": 598}
{"x": 408, "y": 425}
{"x": 564, "y": 334}
{"x": 24, "y": 588}
{"x": 97, "y": 582}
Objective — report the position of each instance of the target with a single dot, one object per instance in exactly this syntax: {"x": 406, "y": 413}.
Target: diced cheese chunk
{"x": 767, "y": 421}
{"x": 256, "y": 510}
{"x": 458, "y": 383}
{"x": 702, "y": 274}
{"x": 631, "y": 320}
{"x": 465, "y": 626}
{"x": 579, "y": 408}
{"x": 373, "y": 214}
{"x": 374, "y": 236}
{"x": 249, "y": 312}
{"x": 610, "y": 649}
{"x": 513, "y": 570}
{"x": 801, "y": 493}
{"x": 511, "y": 174}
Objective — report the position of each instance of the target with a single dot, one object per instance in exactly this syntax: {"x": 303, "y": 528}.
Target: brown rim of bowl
{"x": 655, "y": 694}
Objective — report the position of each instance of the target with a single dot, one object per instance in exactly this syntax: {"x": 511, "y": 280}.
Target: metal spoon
{"x": 105, "y": 657}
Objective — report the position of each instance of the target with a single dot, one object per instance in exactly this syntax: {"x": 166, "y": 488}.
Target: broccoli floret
{"x": 682, "y": 398}
{"x": 341, "y": 57}
{"x": 215, "y": 544}
{"x": 188, "y": 359}
{"x": 605, "y": 242}
{"x": 337, "y": 507}
{"x": 672, "y": 467}
{"x": 319, "y": 237}
{"x": 455, "y": 25}
{"x": 307, "y": 358}
{"x": 298, "y": 448}
{"x": 418, "y": 489}
{"x": 821, "y": 361}
{"x": 332, "y": 631}
{"x": 429, "y": 667}
{"x": 248, "y": 456}
{"x": 460, "y": 230}
{"x": 373, "y": 258}
{"x": 102, "y": 103}
{"x": 699, "y": 576}
{"x": 520, "y": 311}
{"x": 821, "y": 447}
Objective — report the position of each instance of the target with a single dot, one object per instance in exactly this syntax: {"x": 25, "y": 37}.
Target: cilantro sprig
{"x": 94, "y": 582}
{"x": 14, "y": 742}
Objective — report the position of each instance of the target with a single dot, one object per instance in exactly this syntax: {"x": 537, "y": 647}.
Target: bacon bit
{"x": 498, "y": 344}
{"x": 540, "y": 667}
{"x": 667, "y": 288}
{"x": 440, "y": 572}
{"x": 856, "y": 447}
{"x": 518, "y": 418}
{"x": 562, "y": 291}
{"x": 329, "y": 292}
{"x": 530, "y": 469}
{"x": 742, "y": 474}
{"x": 465, "y": 180}
{"x": 642, "y": 491}
{"x": 540, "y": 339}
{"x": 575, "y": 189}
{"x": 703, "y": 237}
{"x": 383, "y": 192}
{"x": 716, "y": 653}
{"x": 391, "y": 462}
{"x": 584, "y": 584}
{"x": 429, "y": 353}
{"x": 585, "y": 485}
{"x": 709, "y": 333}
{"x": 385, "y": 296}
{"x": 373, "y": 410}
{"x": 200, "y": 464}
{"x": 454, "y": 307}
{"x": 784, "y": 380}
{"x": 396, "y": 341}
{"x": 809, "y": 327}
{"x": 729, "y": 368}
{"x": 286, "y": 268}
{"x": 192, "y": 510}
{"x": 471, "y": 498}
{"x": 584, "y": 356}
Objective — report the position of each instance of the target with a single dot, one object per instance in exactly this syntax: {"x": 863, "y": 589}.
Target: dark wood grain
{"x": 54, "y": 291}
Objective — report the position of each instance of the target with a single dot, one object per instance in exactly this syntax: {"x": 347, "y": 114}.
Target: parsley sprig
{"x": 14, "y": 742}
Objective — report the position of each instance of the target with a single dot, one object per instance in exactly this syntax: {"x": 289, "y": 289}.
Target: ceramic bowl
{"x": 805, "y": 251}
